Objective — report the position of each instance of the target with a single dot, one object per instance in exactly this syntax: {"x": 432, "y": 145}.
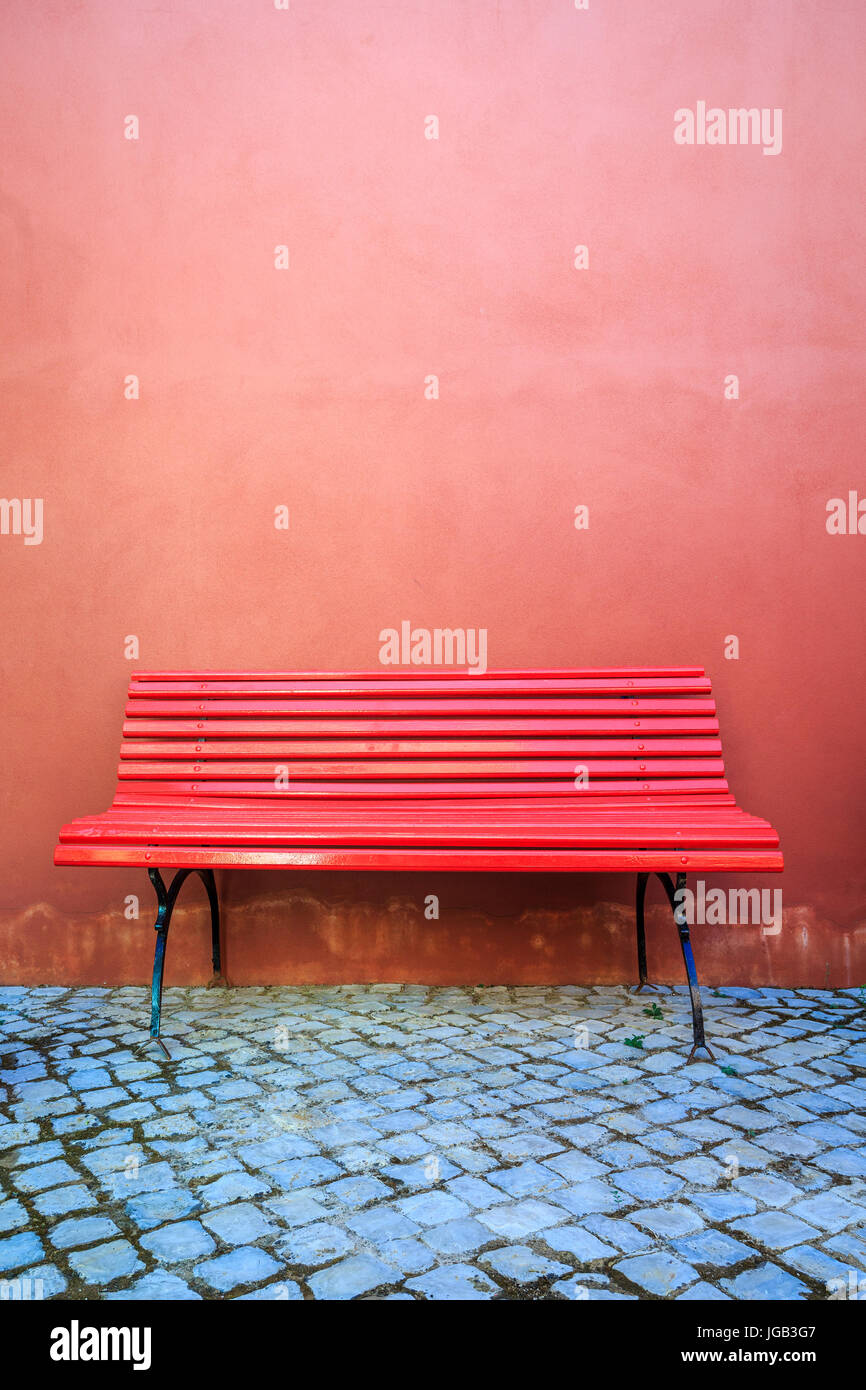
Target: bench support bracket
{"x": 166, "y": 899}
{"x": 682, "y": 926}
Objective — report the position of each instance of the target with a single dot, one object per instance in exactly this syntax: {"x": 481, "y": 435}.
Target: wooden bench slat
{"x": 644, "y": 724}
{"x": 337, "y": 790}
{"x": 380, "y": 770}
{"x": 416, "y": 674}
{"x": 417, "y": 859}
{"x": 414, "y": 748}
{"x": 442, "y": 687}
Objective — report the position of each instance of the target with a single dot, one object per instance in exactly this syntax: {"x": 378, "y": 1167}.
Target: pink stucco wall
{"x": 412, "y": 257}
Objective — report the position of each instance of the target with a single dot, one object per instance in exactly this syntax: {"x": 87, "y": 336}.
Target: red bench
{"x": 568, "y": 771}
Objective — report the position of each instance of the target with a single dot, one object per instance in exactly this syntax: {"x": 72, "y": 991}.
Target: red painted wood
{"x": 409, "y": 705}
{"x": 523, "y": 861}
{"x": 410, "y": 674}
{"x": 439, "y": 688}
{"x": 373, "y": 791}
{"x": 647, "y": 724}
{"x": 428, "y": 769}
{"x": 415, "y": 748}
{"x": 419, "y": 770}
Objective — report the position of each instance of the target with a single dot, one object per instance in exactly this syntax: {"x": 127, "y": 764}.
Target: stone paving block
{"x": 593, "y": 1196}
{"x": 723, "y": 1206}
{"x": 713, "y": 1248}
{"x": 667, "y": 1221}
{"x": 240, "y": 1224}
{"x": 848, "y": 1163}
{"x": 766, "y": 1283}
{"x": 432, "y": 1208}
{"x": 44, "y": 1176}
{"x": 577, "y": 1241}
{"x": 460, "y": 1282}
{"x": 357, "y": 1191}
{"x": 40, "y": 1282}
{"x": 318, "y": 1244}
{"x": 816, "y": 1264}
{"x": 829, "y": 1211}
{"x": 702, "y": 1293}
{"x": 84, "y": 1230}
{"x": 151, "y": 1177}
{"x": 157, "y": 1287}
{"x": 658, "y": 1272}
{"x": 299, "y": 1208}
{"x": 283, "y": 1291}
{"x": 230, "y": 1188}
{"x": 577, "y": 1290}
{"x": 522, "y": 1265}
{"x": 12, "y": 1215}
{"x": 526, "y": 1179}
{"x": 649, "y": 1184}
{"x": 776, "y": 1230}
{"x": 154, "y": 1208}
{"x": 181, "y": 1240}
{"x": 246, "y": 1264}
{"x": 458, "y": 1237}
{"x": 351, "y": 1277}
{"x": 19, "y": 1250}
{"x": 518, "y": 1219}
{"x": 103, "y": 1264}
{"x": 620, "y": 1233}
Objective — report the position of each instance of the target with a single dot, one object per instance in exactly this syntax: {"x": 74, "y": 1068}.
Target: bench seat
{"x": 615, "y": 770}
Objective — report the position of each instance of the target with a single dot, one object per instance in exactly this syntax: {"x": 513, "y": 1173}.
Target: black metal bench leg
{"x": 640, "y": 897}
{"x": 166, "y": 898}
{"x": 680, "y": 918}
{"x": 163, "y": 919}
{"x": 217, "y": 979}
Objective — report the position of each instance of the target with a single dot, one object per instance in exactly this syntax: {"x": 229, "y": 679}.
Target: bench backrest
{"x": 235, "y": 739}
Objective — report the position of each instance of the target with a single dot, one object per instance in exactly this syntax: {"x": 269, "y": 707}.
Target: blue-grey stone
{"x": 648, "y": 1184}
{"x": 12, "y": 1215}
{"x": 520, "y": 1219}
{"x": 182, "y": 1240}
{"x": 351, "y": 1277}
{"x": 577, "y": 1241}
{"x": 82, "y": 1230}
{"x": 816, "y": 1264}
{"x": 299, "y": 1209}
{"x": 316, "y": 1245}
{"x": 432, "y": 1208}
{"x": 40, "y": 1282}
{"x": 702, "y": 1293}
{"x": 458, "y": 1282}
{"x": 457, "y": 1237}
{"x": 658, "y": 1272}
{"x": 712, "y": 1247}
{"x": 20, "y": 1249}
{"x": 240, "y": 1224}
{"x": 382, "y": 1224}
{"x": 283, "y": 1291}
{"x": 102, "y": 1264}
{"x": 522, "y": 1265}
{"x": 766, "y": 1283}
{"x": 357, "y": 1191}
{"x": 246, "y": 1264}
{"x": 230, "y": 1187}
{"x": 158, "y": 1287}
{"x": 44, "y": 1176}
{"x": 775, "y": 1229}
{"x": 153, "y": 1208}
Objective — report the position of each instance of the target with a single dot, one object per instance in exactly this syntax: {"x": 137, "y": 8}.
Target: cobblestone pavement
{"x": 388, "y": 1142}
